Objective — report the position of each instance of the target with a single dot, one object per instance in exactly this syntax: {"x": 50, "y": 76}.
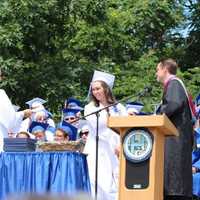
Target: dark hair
{"x": 108, "y": 94}
{"x": 65, "y": 134}
{"x": 170, "y": 64}
{"x": 23, "y": 133}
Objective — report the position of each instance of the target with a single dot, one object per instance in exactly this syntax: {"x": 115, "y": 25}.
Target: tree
{"x": 51, "y": 48}
{"x": 192, "y": 47}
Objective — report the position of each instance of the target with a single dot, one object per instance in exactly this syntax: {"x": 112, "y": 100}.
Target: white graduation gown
{"x": 9, "y": 119}
{"x": 108, "y": 163}
{"x": 18, "y": 120}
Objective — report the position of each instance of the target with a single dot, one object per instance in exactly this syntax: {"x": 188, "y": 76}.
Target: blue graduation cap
{"x": 36, "y": 102}
{"x": 198, "y": 112}
{"x": 134, "y": 107}
{"x": 69, "y": 112}
{"x": 68, "y": 128}
{"x": 197, "y": 136}
{"x": 38, "y": 127}
{"x": 197, "y": 100}
{"x": 73, "y": 103}
{"x": 51, "y": 129}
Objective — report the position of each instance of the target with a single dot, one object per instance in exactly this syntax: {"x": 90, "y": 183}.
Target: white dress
{"x": 108, "y": 163}
{"x": 9, "y": 119}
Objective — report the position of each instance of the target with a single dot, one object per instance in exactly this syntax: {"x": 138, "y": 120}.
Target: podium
{"x": 142, "y": 155}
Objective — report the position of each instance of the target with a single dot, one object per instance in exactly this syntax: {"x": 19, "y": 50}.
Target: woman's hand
{"x": 117, "y": 151}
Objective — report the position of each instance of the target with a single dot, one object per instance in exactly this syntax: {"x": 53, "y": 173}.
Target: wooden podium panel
{"x": 160, "y": 126}
{"x": 148, "y": 121}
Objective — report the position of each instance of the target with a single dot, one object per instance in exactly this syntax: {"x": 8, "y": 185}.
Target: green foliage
{"x": 192, "y": 79}
{"x": 192, "y": 46}
{"x": 51, "y": 48}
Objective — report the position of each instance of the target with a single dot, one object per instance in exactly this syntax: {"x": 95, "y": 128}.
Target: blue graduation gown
{"x": 196, "y": 164}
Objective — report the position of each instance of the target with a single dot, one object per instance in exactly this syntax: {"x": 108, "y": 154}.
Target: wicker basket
{"x": 61, "y": 146}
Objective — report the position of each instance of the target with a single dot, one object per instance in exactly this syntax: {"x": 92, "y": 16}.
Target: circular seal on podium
{"x": 137, "y": 145}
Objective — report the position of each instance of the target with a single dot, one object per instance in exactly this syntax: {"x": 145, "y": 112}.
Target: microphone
{"x": 146, "y": 90}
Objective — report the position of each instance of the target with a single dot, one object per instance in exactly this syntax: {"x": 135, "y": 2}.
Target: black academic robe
{"x": 178, "y": 150}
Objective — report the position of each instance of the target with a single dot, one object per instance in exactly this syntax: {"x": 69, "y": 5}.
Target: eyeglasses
{"x": 85, "y": 133}
{"x": 70, "y": 118}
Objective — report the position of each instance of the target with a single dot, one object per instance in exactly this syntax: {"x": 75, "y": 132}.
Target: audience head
{"x": 84, "y": 131}
{"x": 22, "y": 135}
{"x": 61, "y": 135}
{"x": 65, "y": 131}
{"x": 38, "y": 130}
{"x": 70, "y": 115}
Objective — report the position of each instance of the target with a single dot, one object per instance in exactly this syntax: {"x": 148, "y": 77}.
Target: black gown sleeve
{"x": 173, "y": 99}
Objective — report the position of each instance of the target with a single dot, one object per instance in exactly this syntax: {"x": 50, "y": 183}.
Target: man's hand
{"x": 194, "y": 170}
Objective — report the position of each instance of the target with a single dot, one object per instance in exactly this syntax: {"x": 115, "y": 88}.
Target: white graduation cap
{"x": 36, "y": 102}
{"x": 103, "y": 76}
{"x": 109, "y": 79}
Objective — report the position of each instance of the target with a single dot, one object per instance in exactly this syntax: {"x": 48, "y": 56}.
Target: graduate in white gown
{"x": 40, "y": 114}
{"x": 9, "y": 119}
{"x": 109, "y": 141}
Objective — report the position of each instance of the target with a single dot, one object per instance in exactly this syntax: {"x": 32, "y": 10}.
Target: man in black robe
{"x": 178, "y": 161}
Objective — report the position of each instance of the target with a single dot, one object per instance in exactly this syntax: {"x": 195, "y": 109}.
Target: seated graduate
{"x": 84, "y": 132}
{"x": 64, "y": 132}
{"x": 40, "y": 114}
{"x": 38, "y": 130}
{"x": 73, "y": 103}
{"x": 8, "y": 117}
{"x": 44, "y": 116}
{"x": 196, "y": 159}
{"x": 69, "y": 128}
{"x": 197, "y": 105}
{"x": 61, "y": 135}
{"x": 69, "y": 115}
{"x": 22, "y": 135}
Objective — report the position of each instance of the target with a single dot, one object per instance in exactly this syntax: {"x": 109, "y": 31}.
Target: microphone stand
{"x": 97, "y": 113}
{"x": 97, "y": 154}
